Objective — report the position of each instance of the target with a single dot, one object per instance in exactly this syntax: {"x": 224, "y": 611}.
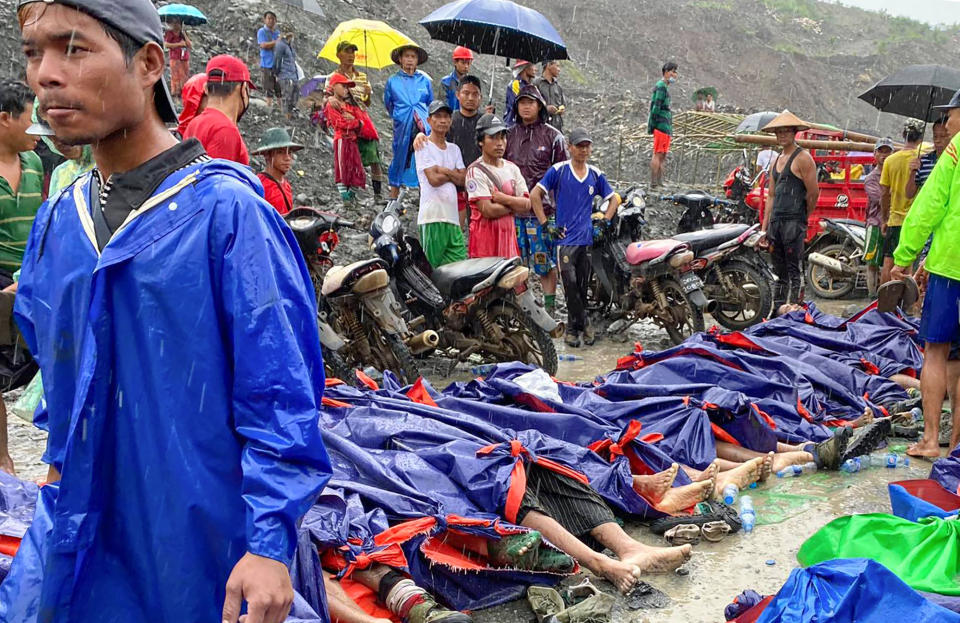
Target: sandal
{"x": 685, "y": 533}
{"x": 889, "y": 295}
{"x": 713, "y": 511}
{"x": 644, "y": 595}
{"x": 715, "y": 531}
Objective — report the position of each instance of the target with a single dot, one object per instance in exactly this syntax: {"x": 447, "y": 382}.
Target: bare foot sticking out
{"x": 766, "y": 468}
{"x": 925, "y": 449}
{"x": 681, "y": 498}
{"x": 743, "y": 476}
{"x": 786, "y": 459}
{"x": 659, "y": 559}
{"x": 621, "y": 574}
{"x": 708, "y": 474}
{"x": 655, "y": 486}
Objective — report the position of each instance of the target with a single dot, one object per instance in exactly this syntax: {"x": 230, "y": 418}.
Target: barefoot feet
{"x": 743, "y": 476}
{"x": 784, "y": 460}
{"x": 679, "y": 499}
{"x": 654, "y": 487}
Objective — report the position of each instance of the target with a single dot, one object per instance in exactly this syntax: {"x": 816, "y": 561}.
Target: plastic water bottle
{"x": 748, "y": 516}
{"x": 851, "y": 466}
{"x": 917, "y": 414}
{"x": 894, "y": 461}
{"x": 797, "y": 470}
{"x": 730, "y": 493}
{"x": 565, "y": 357}
{"x": 483, "y": 370}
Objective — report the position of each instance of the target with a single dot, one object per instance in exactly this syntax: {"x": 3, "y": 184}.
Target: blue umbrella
{"x": 497, "y": 27}
{"x": 190, "y": 16}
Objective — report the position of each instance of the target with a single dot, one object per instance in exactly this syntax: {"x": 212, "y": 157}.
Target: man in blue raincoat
{"x": 406, "y": 97}
{"x": 175, "y": 327}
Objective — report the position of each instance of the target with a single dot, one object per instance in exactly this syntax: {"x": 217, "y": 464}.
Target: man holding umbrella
{"x": 406, "y": 97}
{"x": 936, "y": 211}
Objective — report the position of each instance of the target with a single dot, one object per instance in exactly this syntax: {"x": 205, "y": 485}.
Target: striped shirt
{"x": 18, "y": 209}
{"x": 927, "y": 162}
{"x": 660, "y": 116}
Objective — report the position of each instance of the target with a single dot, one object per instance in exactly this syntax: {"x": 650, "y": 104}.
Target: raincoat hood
{"x": 528, "y": 90}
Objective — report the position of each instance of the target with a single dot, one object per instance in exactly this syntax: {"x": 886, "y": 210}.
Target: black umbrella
{"x": 914, "y": 90}
{"x": 756, "y": 122}
{"x": 310, "y": 6}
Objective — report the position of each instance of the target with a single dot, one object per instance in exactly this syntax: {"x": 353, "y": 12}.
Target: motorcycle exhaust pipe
{"x": 698, "y": 298}
{"x": 831, "y": 264}
{"x": 428, "y": 340}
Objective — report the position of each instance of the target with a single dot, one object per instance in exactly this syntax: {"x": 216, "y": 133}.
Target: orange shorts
{"x": 661, "y": 142}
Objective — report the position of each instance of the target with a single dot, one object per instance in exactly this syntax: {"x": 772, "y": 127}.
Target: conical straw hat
{"x": 786, "y": 119}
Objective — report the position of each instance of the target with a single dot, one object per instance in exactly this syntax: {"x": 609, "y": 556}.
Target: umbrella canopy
{"x": 310, "y": 6}
{"x": 374, "y": 40}
{"x": 189, "y": 15}
{"x": 703, "y": 92}
{"x": 755, "y": 122}
{"x": 914, "y": 90}
{"x": 497, "y": 27}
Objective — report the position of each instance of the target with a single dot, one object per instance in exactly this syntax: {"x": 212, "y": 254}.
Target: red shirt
{"x": 176, "y": 54}
{"x": 280, "y": 197}
{"x": 219, "y": 136}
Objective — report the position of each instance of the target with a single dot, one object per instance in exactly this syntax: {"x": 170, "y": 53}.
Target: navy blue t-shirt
{"x": 574, "y": 199}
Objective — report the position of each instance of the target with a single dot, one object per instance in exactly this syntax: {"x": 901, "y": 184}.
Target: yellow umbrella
{"x": 375, "y": 41}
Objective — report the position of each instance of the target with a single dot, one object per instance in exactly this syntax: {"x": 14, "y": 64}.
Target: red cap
{"x": 226, "y": 68}
{"x": 340, "y": 79}
{"x": 461, "y": 53}
{"x": 521, "y": 63}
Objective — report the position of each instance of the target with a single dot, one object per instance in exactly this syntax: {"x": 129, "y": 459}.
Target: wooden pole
{"x": 755, "y": 139}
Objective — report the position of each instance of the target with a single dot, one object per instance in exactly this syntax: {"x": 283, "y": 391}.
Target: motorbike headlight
{"x": 637, "y": 201}
{"x": 390, "y": 225}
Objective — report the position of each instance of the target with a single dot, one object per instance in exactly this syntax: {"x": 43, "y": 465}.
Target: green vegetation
{"x": 572, "y": 73}
{"x": 787, "y": 48}
{"x": 795, "y": 8}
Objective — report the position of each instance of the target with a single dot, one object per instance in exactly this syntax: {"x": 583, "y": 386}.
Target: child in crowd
{"x": 496, "y": 191}
{"x": 350, "y": 123}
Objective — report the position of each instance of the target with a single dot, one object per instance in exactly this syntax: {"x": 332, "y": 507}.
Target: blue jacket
{"x": 451, "y": 84}
{"x": 182, "y": 374}
{"x": 285, "y": 61}
{"x": 406, "y": 99}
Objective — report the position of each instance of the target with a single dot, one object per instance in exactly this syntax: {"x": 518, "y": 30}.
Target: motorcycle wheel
{"x": 750, "y": 303}
{"x": 335, "y": 367}
{"x": 685, "y": 317}
{"x": 528, "y": 342}
{"x": 824, "y": 284}
{"x": 394, "y": 355}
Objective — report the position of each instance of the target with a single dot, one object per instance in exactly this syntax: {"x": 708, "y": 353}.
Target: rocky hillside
{"x": 809, "y": 56}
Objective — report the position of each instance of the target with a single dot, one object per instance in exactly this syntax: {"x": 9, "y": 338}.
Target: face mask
{"x": 671, "y": 80}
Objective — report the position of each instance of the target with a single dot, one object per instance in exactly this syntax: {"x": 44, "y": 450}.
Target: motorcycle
{"x": 360, "y": 321}
{"x": 651, "y": 279}
{"x": 479, "y": 306}
{"x": 835, "y": 265}
{"x": 743, "y": 188}
{"x": 698, "y": 213}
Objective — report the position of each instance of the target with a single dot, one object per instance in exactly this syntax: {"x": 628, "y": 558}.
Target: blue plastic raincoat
{"x": 182, "y": 373}
{"x": 406, "y": 99}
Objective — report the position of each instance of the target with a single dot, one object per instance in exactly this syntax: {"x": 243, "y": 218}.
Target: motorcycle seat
{"x": 340, "y": 277}
{"x": 694, "y": 200}
{"x": 713, "y": 237}
{"x": 458, "y": 279}
{"x": 640, "y": 252}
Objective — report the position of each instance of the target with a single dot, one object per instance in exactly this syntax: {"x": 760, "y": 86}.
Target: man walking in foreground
{"x": 660, "y": 122}
{"x": 792, "y": 197}
{"x": 936, "y": 211}
{"x": 174, "y": 322}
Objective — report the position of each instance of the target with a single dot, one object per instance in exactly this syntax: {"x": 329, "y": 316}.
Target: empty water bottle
{"x": 565, "y": 357}
{"x": 797, "y": 470}
{"x": 748, "y": 516}
{"x": 917, "y": 414}
{"x": 483, "y": 370}
{"x": 894, "y": 460}
{"x": 851, "y": 466}
{"x": 730, "y": 493}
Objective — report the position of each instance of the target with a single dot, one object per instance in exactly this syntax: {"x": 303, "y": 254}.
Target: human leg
{"x": 777, "y": 460}
{"x": 793, "y": 237}
{"x": 778, "y": 262}
{"x": 890, "y": 241}
{"x": 933, "y": 387}
{"x": 574, "y": 271}
{"x": 404, "y": 598}
{"x": 342, "y": 608}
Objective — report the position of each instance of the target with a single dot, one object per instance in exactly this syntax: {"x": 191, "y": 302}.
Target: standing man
{"x": 462, "y": 60}
{"x": 441, "y": 170}
{"x": 277, "y": 149}
{"x": 21, "y": 188}
{"x": 552, "y": 92}
{"x": 574, "y": 184}
{"x": 361, "y": 91}
{"x": 895, "y": 204}
{"x": 178, "y": 43}
{"x": 873, "y": 244}
{"x": 285, "y": 64}
{"x": 158, "y": 298}
{"x": 535, "y": 146}
{"x": 523, "y": 74}
{"x": 267, "y": 38}
{"x": 406, "y": 97}
{"x": 792, "y": 196}
{"x": 936, "y": 212}
{"x": 228, "y": 97}
{"x": 922, "y": 167}
{"x": 660, "y": 122}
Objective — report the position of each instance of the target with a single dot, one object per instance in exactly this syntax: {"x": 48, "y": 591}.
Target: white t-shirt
{"x": 438, "y": 204}
{"x": 479, "y": 186}
{"x": 765, "y": 158}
